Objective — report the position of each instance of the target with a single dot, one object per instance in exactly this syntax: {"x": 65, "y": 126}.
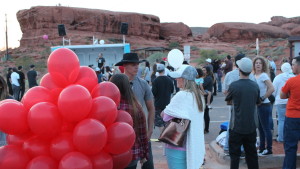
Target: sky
{"x": 194, "y": 13}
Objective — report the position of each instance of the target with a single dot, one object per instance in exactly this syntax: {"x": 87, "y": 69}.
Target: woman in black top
{"x": 207, "y": 85}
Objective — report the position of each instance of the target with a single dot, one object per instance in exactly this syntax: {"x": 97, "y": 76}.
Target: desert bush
{"x": 209, "y": 53}
{"x": 159, "y": 55}
{"x": 173, "y": 45}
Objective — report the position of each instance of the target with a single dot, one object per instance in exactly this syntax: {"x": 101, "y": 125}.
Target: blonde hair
{"x": 265, "y": 65}
{"x": 191, "y": 86}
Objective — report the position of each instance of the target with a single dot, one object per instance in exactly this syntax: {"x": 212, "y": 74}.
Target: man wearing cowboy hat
{"x": 143, "y": 93}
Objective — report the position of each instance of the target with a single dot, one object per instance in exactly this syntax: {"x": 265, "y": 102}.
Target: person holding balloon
{"x": 189, "y": 104}
{"x": 130, "y": 104}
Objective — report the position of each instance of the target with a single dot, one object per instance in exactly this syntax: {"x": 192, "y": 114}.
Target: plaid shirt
{"x": 140, "y": 148}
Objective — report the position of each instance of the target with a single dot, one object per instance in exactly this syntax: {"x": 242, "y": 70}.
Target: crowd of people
{"x": 153, "y": 95}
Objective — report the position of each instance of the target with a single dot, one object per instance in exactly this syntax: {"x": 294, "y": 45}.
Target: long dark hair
{"x": 147, "y": 64}
{"x": 3, "y": 89}
{"x": 122, "y": 82}
{"x": 209, "y": 73}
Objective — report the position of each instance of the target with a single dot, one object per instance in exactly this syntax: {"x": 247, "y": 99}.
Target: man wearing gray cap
{"x": 244, "y": 96}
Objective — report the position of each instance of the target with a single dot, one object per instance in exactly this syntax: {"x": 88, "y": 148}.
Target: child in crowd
{"x": 199, "y": 81}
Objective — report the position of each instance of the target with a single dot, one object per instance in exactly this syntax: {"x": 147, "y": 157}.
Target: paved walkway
{"x": 215, "y": 158}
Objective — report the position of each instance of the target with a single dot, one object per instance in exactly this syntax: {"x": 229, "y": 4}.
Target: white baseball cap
{"x": 208, "y": 60}
{"x": 245, "y": 65}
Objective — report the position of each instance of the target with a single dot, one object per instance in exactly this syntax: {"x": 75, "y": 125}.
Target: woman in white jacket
{"x": 187, "y": 104}
{"x": 280, "y": 104}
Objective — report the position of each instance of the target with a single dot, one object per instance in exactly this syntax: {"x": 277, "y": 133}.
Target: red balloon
{"x": 87, "y": 77}
{"x": 104, "y": 109}
{"x": 13, "y": 157}
{"x": 68, "y": 126}
{"x": 44, "y": 119}
{"x": 42, "y": 162}
{"x": 121, "y": 161}
{"x": 74, "y": 103}
{"x": 36, "y": 146}
{"x": 121, "y": 137}
{"x": 63, "y": 66}
{"x": 102, "y": 160}
{"x": 35, "y": 95}
{"x": 48, "y": 82}
{"x": 107, "y": 89}
{"x": 124, "y": 116}
{"x": 8, "y": 101}
{"x": 13, "y": 118}
{"x": 90, "y": 136}
{"x": 75, "y": 160}
{"x": 61, "y": 145}
{"x": 17, "y": 140}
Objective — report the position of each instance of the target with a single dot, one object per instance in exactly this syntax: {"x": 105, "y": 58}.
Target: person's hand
{"x": 149, "y": 133}
{"x": 142, "y": 161}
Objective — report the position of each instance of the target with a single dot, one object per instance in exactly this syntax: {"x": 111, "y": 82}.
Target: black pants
{"x": 206, "y": 115}
{"x": 215, "y": 88}
{"x": 248, "y": 141}
{"x": 22, "y": 92}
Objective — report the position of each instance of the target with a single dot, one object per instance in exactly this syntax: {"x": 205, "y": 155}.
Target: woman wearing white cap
{"x": 280, "y": 104}
{"x": 187, "y": 104}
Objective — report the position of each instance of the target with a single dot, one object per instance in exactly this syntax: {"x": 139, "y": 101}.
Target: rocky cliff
{"x": 81, "y": 24}
{"x": 38, "y": 21}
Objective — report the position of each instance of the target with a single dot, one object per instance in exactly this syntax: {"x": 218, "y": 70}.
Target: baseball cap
{"x": 208, "y": 60}
{"x": 160, "y": 67}
{"x": 185, "y": 71}
{"x": 245, "y": 65}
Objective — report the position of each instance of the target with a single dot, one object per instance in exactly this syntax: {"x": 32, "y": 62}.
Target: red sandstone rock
{"x": 231, "y": 31}
{"x": 40, "y": 20}
{"x": 174, "y": 29}
{"x": 289, "y": 26}
{"x": 296, "y": 31}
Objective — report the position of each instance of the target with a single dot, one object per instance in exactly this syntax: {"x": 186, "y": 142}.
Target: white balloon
{"x": 175, "y": 58}
{"x": 101, "y": 42}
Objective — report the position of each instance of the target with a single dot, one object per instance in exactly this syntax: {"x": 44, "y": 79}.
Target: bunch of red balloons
{"x": 68, "y": 122}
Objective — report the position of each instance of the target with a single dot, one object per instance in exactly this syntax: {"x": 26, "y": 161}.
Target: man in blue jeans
{"x": 291, "y": 90}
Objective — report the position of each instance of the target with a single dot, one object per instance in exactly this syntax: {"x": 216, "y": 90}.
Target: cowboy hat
{"x": 129, "y": 58}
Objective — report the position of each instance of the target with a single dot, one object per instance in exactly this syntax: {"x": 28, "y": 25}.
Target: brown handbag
{"x": 174, "y": 132}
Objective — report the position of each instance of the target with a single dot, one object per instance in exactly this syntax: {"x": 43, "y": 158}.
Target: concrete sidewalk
{"x": 215, "y": 158}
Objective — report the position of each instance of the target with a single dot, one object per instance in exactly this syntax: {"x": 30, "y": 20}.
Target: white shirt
{"x": 14, "y": 78}
{"x": 278, "y": 83}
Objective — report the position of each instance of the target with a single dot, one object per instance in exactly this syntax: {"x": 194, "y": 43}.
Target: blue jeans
{"x": 264, "y": 112}
{"x": 280, "y": 108}
{"x": 176, "y": 158}
{"x": 291, "y": 138}
{"x": 219, "y": 83}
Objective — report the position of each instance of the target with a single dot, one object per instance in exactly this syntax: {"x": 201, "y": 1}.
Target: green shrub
{"x": 209, "y": 53}
{"x": 173, "y": 45}
{"x": 159, "y": 55}
{"x": 194, "y": 48}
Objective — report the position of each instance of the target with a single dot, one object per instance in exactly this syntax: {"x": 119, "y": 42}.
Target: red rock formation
{"x": 41, "y": 20}
{"x": 289, "y": 26}
{"x": 232, "y": 31}
{"x": 296, "y": 31}
{"x": 168, "y": 30}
